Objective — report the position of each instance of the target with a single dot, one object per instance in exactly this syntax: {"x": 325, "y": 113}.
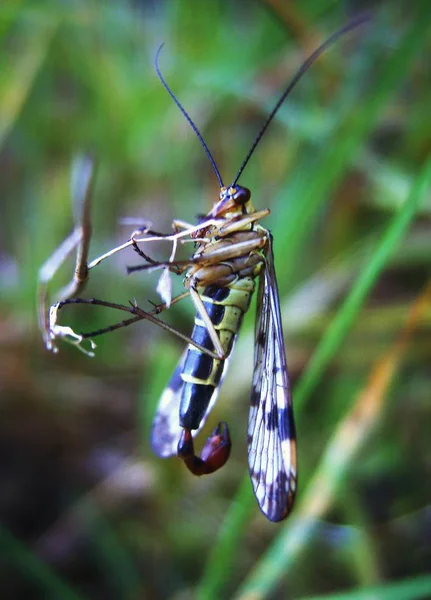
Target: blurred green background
{"x": 86, "y": 510}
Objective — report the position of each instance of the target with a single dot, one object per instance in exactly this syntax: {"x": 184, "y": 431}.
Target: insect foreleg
{"x": 241, "y": 223}
{"x": 155, "y": 237}
{"x": 155, "y": 263}
{"x": 214, "y": 455}
{"x": 200, "y": 307}
{"x": 57, "y": 331}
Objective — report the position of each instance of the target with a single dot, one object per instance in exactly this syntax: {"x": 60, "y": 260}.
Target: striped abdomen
{"x": 201, "y": 373}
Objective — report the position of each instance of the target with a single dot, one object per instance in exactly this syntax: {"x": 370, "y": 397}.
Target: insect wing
{"x": 166, "y": 429}
{"x": 271, "y": 428}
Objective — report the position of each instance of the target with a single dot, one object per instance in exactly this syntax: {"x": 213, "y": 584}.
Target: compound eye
{"x": 240, "y": 195}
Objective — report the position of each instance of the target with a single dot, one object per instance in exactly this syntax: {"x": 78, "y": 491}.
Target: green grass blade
{"x": 373, "y": 266}
{"x": 113, "y": 554}
{"x": 33, "y": 568}
{"x": 407, "y": 589}
{"x": 16, "y": 78}
{"x": 297, "y": 213}
{"x": 217, "y": 566}
{"x": 296, "y": 533}
{"x": 324, "y": 353}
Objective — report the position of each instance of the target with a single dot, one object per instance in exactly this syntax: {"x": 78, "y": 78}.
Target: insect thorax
{"x": 223, "y": 260}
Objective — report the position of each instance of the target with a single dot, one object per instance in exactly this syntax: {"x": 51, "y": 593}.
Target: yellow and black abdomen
{"x": 201, "y": 373}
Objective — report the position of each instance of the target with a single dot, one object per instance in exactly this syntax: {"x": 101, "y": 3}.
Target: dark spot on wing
{"x": 286, "y": 424}
{"x": 255, "y": 475}
{"x": 277, "y": 498}
{"x": 272, "y": 418}
{"x": 254, "y": 397}
{"x": 261, "y": 338}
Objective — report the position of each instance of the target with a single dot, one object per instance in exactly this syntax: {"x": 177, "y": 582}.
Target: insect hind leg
{"x": 215, "y": 452}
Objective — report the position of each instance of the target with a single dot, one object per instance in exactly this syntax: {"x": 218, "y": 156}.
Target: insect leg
{"x": 155, "y": 264}
{"x": 200, "y": 307}
{"x": 153, "y": 237}
{"x": 57, "y": 331}
{"x": 241, "y": 223}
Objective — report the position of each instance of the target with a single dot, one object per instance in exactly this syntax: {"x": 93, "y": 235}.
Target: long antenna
{"x": 304, "y": 67}
{"x": 186, "y": 115}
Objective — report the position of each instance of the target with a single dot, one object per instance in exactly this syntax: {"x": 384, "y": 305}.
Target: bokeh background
{"x": 86, "y": 510}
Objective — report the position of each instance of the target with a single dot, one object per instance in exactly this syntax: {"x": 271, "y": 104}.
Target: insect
{"x": 232, "y": 251}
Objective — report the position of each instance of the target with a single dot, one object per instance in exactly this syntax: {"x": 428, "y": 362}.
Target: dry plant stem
{"x": 46, "y": 273}
{"x": 79, "y": 238}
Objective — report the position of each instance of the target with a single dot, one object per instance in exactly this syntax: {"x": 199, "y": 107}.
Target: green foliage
{"x": 87, "y": 510}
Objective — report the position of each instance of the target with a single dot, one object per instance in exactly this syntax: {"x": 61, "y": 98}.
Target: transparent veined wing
{"x": 271, "y": 428}
{"x": 166, "y": 430}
